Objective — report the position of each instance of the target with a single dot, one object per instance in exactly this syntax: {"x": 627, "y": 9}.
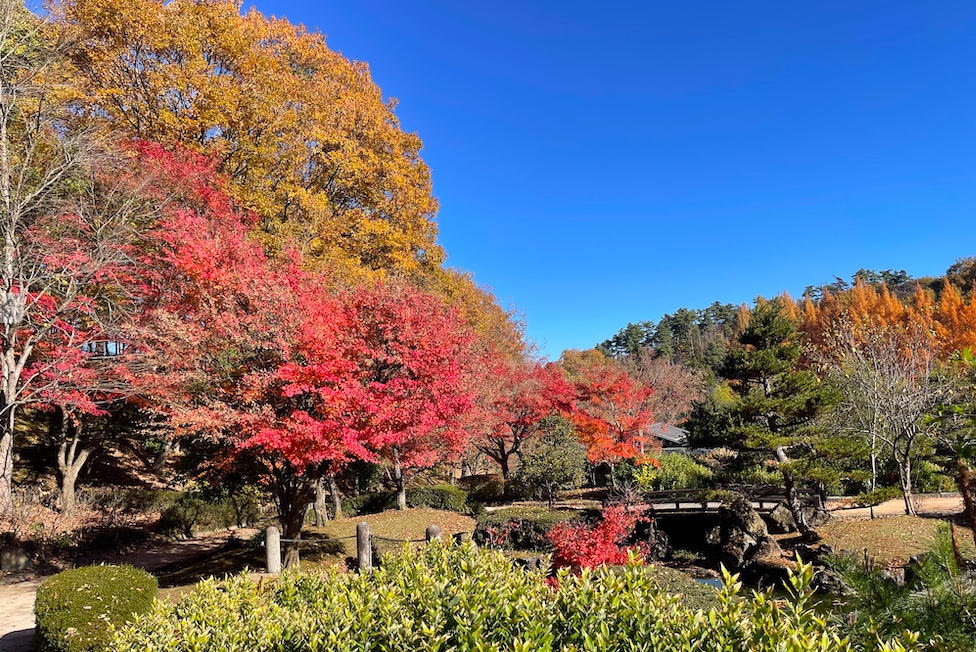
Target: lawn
{"x": 893, "y": 539}
{"x": 332, "y": 545}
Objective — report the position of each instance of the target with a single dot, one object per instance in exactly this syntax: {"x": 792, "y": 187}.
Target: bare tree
{"x": 67, "y": 230}
{"x": 676, "y": 387}
{"x": 891, "y": 380}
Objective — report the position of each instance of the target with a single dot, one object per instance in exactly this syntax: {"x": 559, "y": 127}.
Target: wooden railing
{"x": 697, "y": 500}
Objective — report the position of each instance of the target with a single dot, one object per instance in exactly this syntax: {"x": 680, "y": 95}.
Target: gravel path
{"x": 17, "y": 600}
{"x": 926, "y": 506}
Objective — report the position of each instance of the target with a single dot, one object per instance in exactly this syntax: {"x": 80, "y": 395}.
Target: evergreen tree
{"x": 769, "y": 415}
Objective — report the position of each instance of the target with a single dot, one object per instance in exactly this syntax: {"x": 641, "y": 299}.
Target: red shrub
{"x": 578, "y": 546}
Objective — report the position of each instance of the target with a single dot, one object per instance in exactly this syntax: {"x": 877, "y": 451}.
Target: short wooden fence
{"x": 364, "y": 545}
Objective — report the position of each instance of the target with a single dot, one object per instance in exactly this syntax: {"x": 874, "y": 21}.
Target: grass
{"x": 539, "y": 514}
{"x": 891, "y": 540}
{"x": 333, "y": 545}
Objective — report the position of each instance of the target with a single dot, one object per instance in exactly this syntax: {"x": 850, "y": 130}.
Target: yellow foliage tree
{"x": 303, "y": 135}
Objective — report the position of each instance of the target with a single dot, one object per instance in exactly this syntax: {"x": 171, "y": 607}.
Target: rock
{"x": 768, "y": 548}
{"x": 763, "y": 574}
{"x": 896, "y": 574}
{"x": 714, "y": 536}
{"x": 14, "y": 559}
{"x": 531, "y": 563}
{"x": 742, "y": 535}
{"x": 781, "y": 519}
{"x": 827, "y": 581}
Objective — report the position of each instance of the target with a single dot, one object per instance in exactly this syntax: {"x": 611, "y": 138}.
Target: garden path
{"x": 17, "y": 600}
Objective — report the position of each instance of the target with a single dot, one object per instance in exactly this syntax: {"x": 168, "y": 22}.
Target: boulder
{"x": 781, "y": 519}
{"x": 14, "y": 559}
{"x": 742, "y": 537}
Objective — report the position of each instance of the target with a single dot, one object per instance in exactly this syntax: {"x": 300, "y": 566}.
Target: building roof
{"x": 669, "y": 435}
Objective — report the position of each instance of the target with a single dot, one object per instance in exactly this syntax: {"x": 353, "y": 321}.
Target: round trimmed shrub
{"x": 76, "y": 609}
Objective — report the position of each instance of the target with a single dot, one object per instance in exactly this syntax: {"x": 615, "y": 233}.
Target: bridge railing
{"x": 770, "y": 496}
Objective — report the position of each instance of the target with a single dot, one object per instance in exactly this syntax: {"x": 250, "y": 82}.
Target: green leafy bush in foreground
{"x": 456, "y": 598}
{"x": 76, "y": 609}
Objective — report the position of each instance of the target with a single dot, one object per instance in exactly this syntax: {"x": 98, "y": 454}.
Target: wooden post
{"x": 364, "y": 549}
{"x": 272, "y": 547}
{"x": 464, "y": 538}
{"x": 433, "y": 532}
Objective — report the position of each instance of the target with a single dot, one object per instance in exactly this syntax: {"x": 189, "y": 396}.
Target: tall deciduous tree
{"x": 412, "y": 357}
{"x": 516, "y": 396}
{"x": 613, "y": 410}
{"x": 891, "y": 379}
{"x": 235, "y": 339}
{"x": 304, "y": 136}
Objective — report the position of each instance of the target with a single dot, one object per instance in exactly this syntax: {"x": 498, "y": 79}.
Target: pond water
{"x": 714, "y": 582}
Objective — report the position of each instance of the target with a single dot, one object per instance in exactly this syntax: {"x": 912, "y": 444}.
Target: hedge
{"x": 75, "y": 609}
{"x": 440, "y": 496}
{"x": 441, "y": 597}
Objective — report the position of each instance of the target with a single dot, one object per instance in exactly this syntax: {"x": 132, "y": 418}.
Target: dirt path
{"x": 925, "y": 505}
{"x": 17, "y": 600}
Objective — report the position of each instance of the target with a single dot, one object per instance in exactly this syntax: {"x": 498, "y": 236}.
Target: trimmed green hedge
{"x": 521, "y": 528}
{"x": 439, "y": 597}
{"x": 76, "y": 609}
{"x": 440, "y": 496}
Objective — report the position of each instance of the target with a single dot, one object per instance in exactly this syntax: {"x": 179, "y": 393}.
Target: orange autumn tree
{"x": 889, "y": 357}
{"x": 613, "y": 409}
{"x": 303, "y": 135}
{"x": 949, "y": 322}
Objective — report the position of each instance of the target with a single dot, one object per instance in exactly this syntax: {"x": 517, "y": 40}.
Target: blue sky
{"x": 602, "y": 163}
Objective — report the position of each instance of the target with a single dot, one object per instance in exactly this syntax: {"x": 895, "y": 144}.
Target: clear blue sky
{"x": 599, "y": 163}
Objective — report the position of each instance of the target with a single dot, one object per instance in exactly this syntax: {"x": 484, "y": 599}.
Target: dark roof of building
{"x": 668, "y": 434}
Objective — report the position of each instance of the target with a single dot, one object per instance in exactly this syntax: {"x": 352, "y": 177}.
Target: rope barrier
{"x": 376, "y": 536}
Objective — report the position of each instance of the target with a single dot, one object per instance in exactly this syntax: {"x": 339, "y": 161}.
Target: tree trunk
{"x": 6, "y": 470}
{"x": 293, "y": 501}
{"x": 966, "y": 480}
{"x": 161, "y": 457}
{"x": 792, "y": 500}
{"x": 905, "y": 476}
{"x": 321, "y": 510}
{"x": 336, "y": 496}
{"x": 70, "y": 459}
{"x": 70, "y": 462}
{"x": 6, "y": 447}
{"x": 400, "y": 481}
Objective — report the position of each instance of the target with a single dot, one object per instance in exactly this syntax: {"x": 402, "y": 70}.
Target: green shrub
{"x": 371, "y": 503}
{"x": 77, "y": 608}
{"x": 192, "y": 512}
{"x": 439, "y": 597}
{"x": 675, "y": 471}
{"x": 520, "y": 528}
{"x": 440, "y": 496}
{"x": 485, "y": 489}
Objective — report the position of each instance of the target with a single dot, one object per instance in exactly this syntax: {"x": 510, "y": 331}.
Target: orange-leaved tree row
{"x": 948, "y": 321}
{"x": 889, "y": 356}
{"x": 303, "y": 135}
{"x": 613, "y": 409}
